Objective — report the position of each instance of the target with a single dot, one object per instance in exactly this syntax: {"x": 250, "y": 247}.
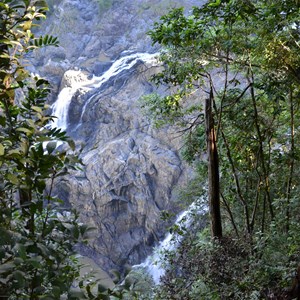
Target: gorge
{"x": 99, "y": 72}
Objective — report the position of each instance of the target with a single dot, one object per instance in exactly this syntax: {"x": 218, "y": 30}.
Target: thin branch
{"x": 239, "y": 97}
{"x": 223, "y": 97}
{"x": 292, "y": 162}
{"x": 237, "y": 184}
{"x": 230, "y": 214}
{"x": 260, "y": 140}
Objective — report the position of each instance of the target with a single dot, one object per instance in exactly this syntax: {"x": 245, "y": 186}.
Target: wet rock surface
{"x": 130, "y": 168}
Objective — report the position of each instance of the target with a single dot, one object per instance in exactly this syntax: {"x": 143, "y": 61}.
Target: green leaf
{"x": 2, "y": 150}
{"x": 41, "y": 81}
{"x": 13, "y": 179}
{"x": 10, "y": 43}
{"x": 14, "y": 152}
{"x": 116, "y": 275}
{"x": 6, "y": 236}
{"x": 44, "y": 250}
{"x": 71, "y": 144}
{"x": 37, "y": 109}
{"x": 102, "y": 288}
{"x": 27, "y": 25}
{"x": 214, "y": 4}
{"x": 21, "y": 250}
{"x": 20, "y": 278}
{"x": 18, "y": 261}
{"x": 6, "y": 267}
{"x": 51, "y": 146}
{"x": 2, "y": 121}
{"x": 56, "y": 291}
{"x": 35, "y": 262}
{"x": 75, "y": 294}
{"x": 48, "y": 297}
{"x": 24, "y": 130}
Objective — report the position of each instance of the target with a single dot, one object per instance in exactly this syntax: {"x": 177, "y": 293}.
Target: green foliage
{"x": 37, "y": 246}
{"x": 155, "y": 106}
{"x": 229, "y": 268}
{"x": 195, "y": 144}
{"x": 245, "y": 57}
{"x": 255, "y": 102}
{"x": 44, "y": 41}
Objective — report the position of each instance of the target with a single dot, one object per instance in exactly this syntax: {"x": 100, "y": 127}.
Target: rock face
{"x": 131, "y": 168}
{"x": 92, "y": 33}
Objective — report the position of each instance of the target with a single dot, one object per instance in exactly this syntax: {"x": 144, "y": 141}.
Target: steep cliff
{"x": 101, "y": 69}
{"x": 94, "y": 33}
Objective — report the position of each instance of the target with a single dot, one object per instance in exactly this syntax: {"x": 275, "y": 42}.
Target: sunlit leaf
{"x": 1, "y": 150}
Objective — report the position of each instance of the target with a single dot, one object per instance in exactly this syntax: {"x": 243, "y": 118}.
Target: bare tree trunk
{"x": 213, "y": 170}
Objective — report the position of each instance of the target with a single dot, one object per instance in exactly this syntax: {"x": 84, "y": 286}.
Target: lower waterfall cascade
{"x": 154, "y": 264}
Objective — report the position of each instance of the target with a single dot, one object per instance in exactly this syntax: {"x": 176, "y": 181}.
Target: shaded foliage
{"x": 37, "y": 237}
{"x": 245, "y": 57}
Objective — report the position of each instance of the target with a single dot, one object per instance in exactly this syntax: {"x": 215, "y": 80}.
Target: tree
{"x": 230, "y": 41}
{"x": 244, "y": 56}
{"x": 37, "y": 236}
{"x": 185, "y": 71}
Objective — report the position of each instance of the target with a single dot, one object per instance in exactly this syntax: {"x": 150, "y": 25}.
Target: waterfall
{"x": 153, "y": 263}
{"x": 123, "y": 63}
{"x": 77, "y": 80}
{"x": 61, "y": 106}
{"x": 120, "y": 65}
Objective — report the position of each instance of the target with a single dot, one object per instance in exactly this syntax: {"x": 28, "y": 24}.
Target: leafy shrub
{"x": 230, "y": 269}
{"x": 37, "y": 237}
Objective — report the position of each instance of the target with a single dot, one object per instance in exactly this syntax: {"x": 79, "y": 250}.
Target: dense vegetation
{"x": 234, "y": 71}
{"x": 38, "y": 234}
{"x": 37, "y": 237}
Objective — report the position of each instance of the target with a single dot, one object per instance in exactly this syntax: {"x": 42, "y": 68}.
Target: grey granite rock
{"x": 131, "y": 168}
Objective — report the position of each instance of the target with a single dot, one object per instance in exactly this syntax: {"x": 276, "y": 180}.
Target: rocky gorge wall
{"x": 130, "y": 169}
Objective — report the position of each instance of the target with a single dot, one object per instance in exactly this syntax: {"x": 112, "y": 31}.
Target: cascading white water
{"x": 77, "y": 80}
{"x": 123, "y": 63}
{"x": 153, "y": 263}
{"x": 61, "y": 106}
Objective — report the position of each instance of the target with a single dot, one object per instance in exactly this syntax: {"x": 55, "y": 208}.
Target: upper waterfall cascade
{"x": 61, "y": 106}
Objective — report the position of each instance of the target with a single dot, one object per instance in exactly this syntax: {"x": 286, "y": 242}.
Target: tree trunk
{"x": 213, "y": 171}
